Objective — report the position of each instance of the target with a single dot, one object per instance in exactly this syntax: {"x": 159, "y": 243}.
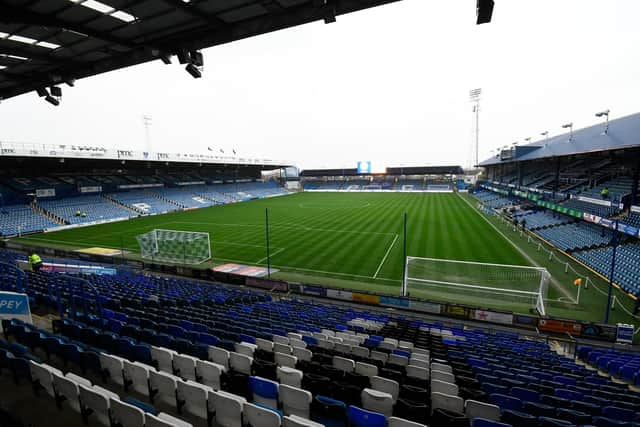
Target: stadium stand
{"x": 144, "y": 202}
{"x": 602, "y": 211}
{"x": 627, "y": 273}
{"x": 633, "y": 219}
{"x": 92, "y": 208}
{"x": 232, "y": 354}
{"x": 17, "y": 219}
{"x": 52, "y": 212}
{"x": 541, "y": 219}
{"x": 493, "y": 200}
{"x": 577, "y": 235}
{"x": 618, "y": 188}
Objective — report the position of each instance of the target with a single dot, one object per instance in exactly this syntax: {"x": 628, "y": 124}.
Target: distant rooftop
{"x": 622, "y": 133}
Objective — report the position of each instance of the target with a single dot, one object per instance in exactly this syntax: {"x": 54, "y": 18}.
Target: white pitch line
{"x": 385, "y": 256}
{"x": 270, "y": 255}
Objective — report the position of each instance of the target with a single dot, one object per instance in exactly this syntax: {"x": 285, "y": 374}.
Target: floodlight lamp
{"x": 194, "y": 71}
{"x": 51, "y": 100}
{"x": 567, "y": 125}
{"x": 603, "y": 113}
{"x": 42, "y": 92}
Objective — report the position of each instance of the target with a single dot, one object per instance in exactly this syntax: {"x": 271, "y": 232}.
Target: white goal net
{"x": 173, "y": 246}
{"x": 475, "y": 283}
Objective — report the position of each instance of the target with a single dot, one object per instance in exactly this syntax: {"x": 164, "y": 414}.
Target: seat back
{"x": 136, "y": 376}
{"x": 245, "y": 348}
{"x": 360, "y": 352}
{"x": 184, "y": 366}
{"x": 289, "y": 376}
{"x": 98, "y": 400}
{"x": 418, "y": 372}
{"x": 400, "y": 422}
{"x": 192, "y": 397}
{"x": 475, "y": 409}
{"x": 265, "y": 345}
{"x": 295, "y": 421}
{"x": 398, "y": 359}
{"x": 162, "y": 387}
{"x": 386, "y": 385}
{"x": 126, "y": 415}
{"x": 42, "y": 376}
{"x": 163, "y": 357}
{"x": 366, "y": 369}
{"x": 287, "y": 360}
{"x": 164, "y": 420}
{"x": 294, "y": 401}
{"x": 302, "y": 354}
{"x": 220, "y": 356}
{"x": 359, "y": 417}
{"x": 264, "y": 391}
{"x": 240, "y": 363}
{"x": 377, "y": 401}
{"x": 227, "y": 407}
{"x": 446, "y": 401}
{"x": 68, "y": 387}
{"x": 444, "y": 387}
{"x": 443, "y": 376}
{"x": 258, "y": 416}
{"x": 209, "y": 373}
{"x": 113, "y": 366}
{"x": 441, "y": 367}
{"x": 344, "y": 364}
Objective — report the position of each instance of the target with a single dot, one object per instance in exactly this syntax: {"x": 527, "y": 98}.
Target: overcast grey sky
{"x": 389, "y": 84}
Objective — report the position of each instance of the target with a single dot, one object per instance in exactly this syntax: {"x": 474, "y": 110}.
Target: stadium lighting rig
{"x": 484, "y": 11}
{"x": 605, "y": 114}
{"x": 570, "y": 127}
{"x": 194, "y": 60}
{"x": 52, "y": 98}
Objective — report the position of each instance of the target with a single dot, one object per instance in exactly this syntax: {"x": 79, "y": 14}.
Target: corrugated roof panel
{"x": 623, "y": 133}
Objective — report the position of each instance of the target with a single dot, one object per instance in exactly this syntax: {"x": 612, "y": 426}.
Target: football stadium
{"x": 375, "y": 280}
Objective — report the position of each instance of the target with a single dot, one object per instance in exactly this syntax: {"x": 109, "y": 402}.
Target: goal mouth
{"x": 477, "y": 283}
{"x": 175, "y": 246}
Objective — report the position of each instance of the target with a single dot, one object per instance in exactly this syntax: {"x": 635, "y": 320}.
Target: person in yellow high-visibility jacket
{"x": 35, "y": 261}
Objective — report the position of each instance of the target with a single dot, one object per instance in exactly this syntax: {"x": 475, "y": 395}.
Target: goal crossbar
{"x": 476, "y": 279}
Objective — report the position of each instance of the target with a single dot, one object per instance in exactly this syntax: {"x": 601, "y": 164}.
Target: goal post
{"x": 175, "y": 246}
{"x": 476, "y": 283}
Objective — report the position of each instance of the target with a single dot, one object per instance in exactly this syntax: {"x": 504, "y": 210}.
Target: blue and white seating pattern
{"x": 18, "y": 219}
{"x": 576, "y": 235}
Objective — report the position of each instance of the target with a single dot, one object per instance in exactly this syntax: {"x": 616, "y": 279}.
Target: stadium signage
{"x": 93, "y": 189}
{"x": 131, "y": 186}
{"x": 395, "y": 302}
{"x": 493, "y": 317}
{"x": 46, "y": 192}
{"x": 624, "y": 334}
{"x": 340, "y": 294}
{"x": 600, "y": 202}
{"x": 607, "y": 223}
{"x": 561, "y": 209}
{"x": 560, "y": 326}
{"x": 15, "y": 306}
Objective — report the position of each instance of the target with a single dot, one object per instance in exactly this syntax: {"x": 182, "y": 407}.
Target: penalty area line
{"x": 385, "y": 257}
{"x": 260, "y": 261}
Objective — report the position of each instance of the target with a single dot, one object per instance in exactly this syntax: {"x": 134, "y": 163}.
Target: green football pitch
{"x": 355, "y": 241}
